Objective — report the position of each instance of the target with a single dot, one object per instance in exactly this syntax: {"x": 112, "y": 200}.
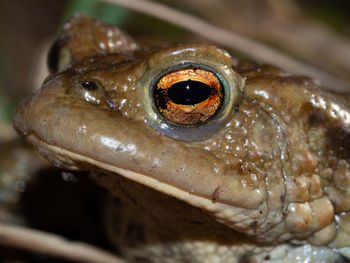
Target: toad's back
{"x": 209, "y": 159}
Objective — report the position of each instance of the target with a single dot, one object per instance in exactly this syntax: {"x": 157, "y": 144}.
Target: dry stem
{"x": 226, "y": 38}
{"x": 53, "y": 245}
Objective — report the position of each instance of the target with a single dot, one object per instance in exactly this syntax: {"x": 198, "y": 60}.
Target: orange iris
{"x": 188, "y": 96}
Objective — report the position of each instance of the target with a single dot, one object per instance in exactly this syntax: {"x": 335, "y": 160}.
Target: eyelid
{"x": 196, "y": 74}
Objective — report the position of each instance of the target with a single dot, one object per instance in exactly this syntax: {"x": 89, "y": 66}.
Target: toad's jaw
{"x": 70, "y": 160}
{"x": 227, "y": 214}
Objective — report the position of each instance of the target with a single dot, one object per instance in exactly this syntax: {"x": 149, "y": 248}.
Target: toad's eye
{"x": 188, "y": 96}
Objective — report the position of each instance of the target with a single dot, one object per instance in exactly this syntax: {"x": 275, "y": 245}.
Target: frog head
{"x": 245, "y": 143}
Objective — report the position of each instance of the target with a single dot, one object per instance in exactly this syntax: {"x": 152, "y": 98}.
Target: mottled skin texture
{"x": 268, "y": 180}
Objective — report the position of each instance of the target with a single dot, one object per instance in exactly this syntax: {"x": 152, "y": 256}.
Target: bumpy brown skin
{"x": 274, "y": 173}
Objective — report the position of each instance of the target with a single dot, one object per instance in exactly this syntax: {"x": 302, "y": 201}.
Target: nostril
{"x": 89, "y": 85}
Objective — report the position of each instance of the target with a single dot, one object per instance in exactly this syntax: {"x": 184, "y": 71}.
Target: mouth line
{"x": 67, "y": 159}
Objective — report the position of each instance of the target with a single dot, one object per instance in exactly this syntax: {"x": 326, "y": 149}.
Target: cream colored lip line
{"x": 146, "y": 180}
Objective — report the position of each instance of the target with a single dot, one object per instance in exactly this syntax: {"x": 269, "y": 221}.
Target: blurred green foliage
{"x": 135, "y": 23}
{"x": 112, "y": 14}
{"x": 7, "y": 105}
{"x": 336, "y": 13}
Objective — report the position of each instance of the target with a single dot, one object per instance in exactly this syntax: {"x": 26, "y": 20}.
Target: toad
{"x": 208, "y": 158}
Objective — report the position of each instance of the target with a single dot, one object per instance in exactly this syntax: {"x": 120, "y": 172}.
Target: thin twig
{"x": 280, "y": 23}
{"x": 226, "y": 38}
{"x": 53, "y": 245}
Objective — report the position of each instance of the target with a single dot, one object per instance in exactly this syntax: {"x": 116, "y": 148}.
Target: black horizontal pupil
{"x": 89, "y": 85}
{"x": 189, "y": 92}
